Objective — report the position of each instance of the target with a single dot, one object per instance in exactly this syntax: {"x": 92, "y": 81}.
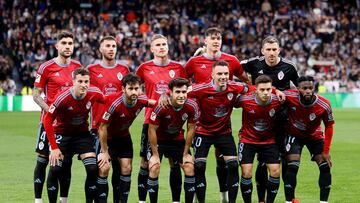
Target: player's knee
{"x": 293, "y": 167}
{"x": 188, "y": 169}
{"x": 324, "y": 167}
{"x": 56, "y": 170}
{"x": 126, "y": 169}
{"x": 325, "y": 175}
{"x": 155, "y": 170}
{"x": 232, "y": 164}
{"x": 104, "y": 171}
{"x": 91, "y": 166}
{"x": 200, "y": 166}
{"x": 274, "y": 171}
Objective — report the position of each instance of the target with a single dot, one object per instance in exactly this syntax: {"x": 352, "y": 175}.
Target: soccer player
{"x": 282, "y": 72}
{"x": 52, "y": 77}
{"x": 69, "y": 135}
{"x": 216, "y": 100}
{"x": 114, "y": 135}
{"x": 107, "y": 76}
{"x": 306, "y": 110}
{"x": 156, "y": 75}
{"x": 199, "y": 68}
{"x": 166, "y": 137}
{"x": 257, "y": 135}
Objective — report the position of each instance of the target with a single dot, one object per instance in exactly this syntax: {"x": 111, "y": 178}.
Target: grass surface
{"x": 17, "y": 141}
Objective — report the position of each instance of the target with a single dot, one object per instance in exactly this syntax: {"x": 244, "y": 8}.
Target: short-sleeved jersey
{"x": 70, "y": 114}
{"x": 305, "y": 120}
{"x": 54, "y": 78}
{"x": 216, "y": 107}
{"x": 258, "y": 121}
{"x": 171, "y": 120}
{"x": 108, "y": 80}
{"x": 200, "y": 67}
{"x": 281, "y": 74}
{"x": 120, "y": 115}
{"x": 156, "y": 78}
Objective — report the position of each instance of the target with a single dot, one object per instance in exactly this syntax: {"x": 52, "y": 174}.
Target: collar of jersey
{"x": 217, "y": 55}
{"x": 216, "y": 88}
{"x": 109, "y": 67}
{"x": 267, "y": 102}
{"x": 73, "y": 94}
{"x": 158, "y": 64}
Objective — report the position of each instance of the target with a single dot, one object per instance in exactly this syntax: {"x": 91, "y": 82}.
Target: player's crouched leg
{"x": 189, "y": 181}
{"x": 102, "y": 182}
{"x": 232, "y": 178}
{"x": 91, "y": 168}
{"x": 153, "y": 182}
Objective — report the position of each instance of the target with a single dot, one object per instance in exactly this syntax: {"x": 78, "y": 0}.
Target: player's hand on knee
{"x": 103, "y": 159}
{"x": 187, "y": 158}
{"x": 55, "y": 157}
{"x": 153, "y": 161}
{"x": 327, "y": 158}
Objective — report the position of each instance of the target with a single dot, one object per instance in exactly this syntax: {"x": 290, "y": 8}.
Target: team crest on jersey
{"x": 119, "y": 76}
{"x": 312, "y": 116}
{"x": 88, "y": 105}
{"x": 184, "y": 116}
{"x": 106, "y": 116}
{"x": 153, "y": 116}
{"x": 281, "y": 75}
{"x": 272, "y": 112}
{"x": 38, "y": 78}
{"x": 230, "y": 96}
{"x": 52, "y": 109}
{"x": 172, "y": 73}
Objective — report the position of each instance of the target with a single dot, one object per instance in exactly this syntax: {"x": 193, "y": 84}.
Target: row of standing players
{"x": 55, "y": 75}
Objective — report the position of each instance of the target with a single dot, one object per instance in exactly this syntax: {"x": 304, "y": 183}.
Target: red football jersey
{"x": 108, "y": 80}
{"x": 71, "y": 114}
{"x": 258, "y": 121}
{"x": 120, "y": 116}
{"x": 216, "y": 107}
{"x": 305, "y": 120}
{"x": 200, "y": 67}
{"x": 157, "y": 78}
{"x": 54, "y": 78}
{"x": 171, "y": 120}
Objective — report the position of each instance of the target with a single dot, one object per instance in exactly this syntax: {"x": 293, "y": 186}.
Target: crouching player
{"x": 306, "y": 110}
{"x": 69, "y": 135}
{"x": 166, "y": 137}
{"x": 115, "y": 139}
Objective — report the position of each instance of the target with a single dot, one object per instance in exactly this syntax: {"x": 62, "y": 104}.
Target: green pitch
{"x": 17, "y": 161}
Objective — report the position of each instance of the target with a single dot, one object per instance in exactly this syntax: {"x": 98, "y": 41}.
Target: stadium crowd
{"x": 321, "y": 37}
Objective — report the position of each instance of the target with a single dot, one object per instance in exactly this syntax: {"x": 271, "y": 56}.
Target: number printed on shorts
{"x": 198, "y": 141}
{"x": 58, "y": 139}
{"x": 43, "y": 136}
{"x": 240, "y": 149}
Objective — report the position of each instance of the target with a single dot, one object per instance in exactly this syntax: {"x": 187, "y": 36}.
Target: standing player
{"x": 69, "y": 135}
{"x": 282, "y": 72}
{"x": 156, "y": 75}
{"x": 306, "y": 110}
{"x": 200, "y": 67}
{"x": 257, "y": 135}
{"x": 107, "y": 76}
{"x": 216, "y": 100}
{"x": 114, "y": 135}
{"x": 166, "y": 137}
{"x": 52, "y": 77}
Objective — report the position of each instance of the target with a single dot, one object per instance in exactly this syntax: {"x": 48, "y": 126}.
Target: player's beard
{"x": 307, "y": 99}
{"x": 109, "y": 58}
{"x": 66, "y": 56}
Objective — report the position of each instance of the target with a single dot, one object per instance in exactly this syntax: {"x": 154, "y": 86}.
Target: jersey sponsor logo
{"x": 153, "y": 116}
{"x": 312, "y": 116}
{"x": 261, "y": 125}
{"x": 172, "y": 73}
{"x": 203, "y": 66}
{"x": 52, "y": 109}
{"x": 38, "y": 78}
{"x": 230, "y": 96}
{"x": 281, "y": 75}
{"x": 184, "y": 116}
{"x": 161, "y": 87}
{"x": 78, "y": 120}
{"x": 109, "y": 89}
{"x": 261, "y": 72}
{"x": 106, "y": 116}
{"x": 220, "y": 111}
{"x": 119, "y": 76}
{"x": 88, "y": 105}
{"x": 272, "y": 112}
